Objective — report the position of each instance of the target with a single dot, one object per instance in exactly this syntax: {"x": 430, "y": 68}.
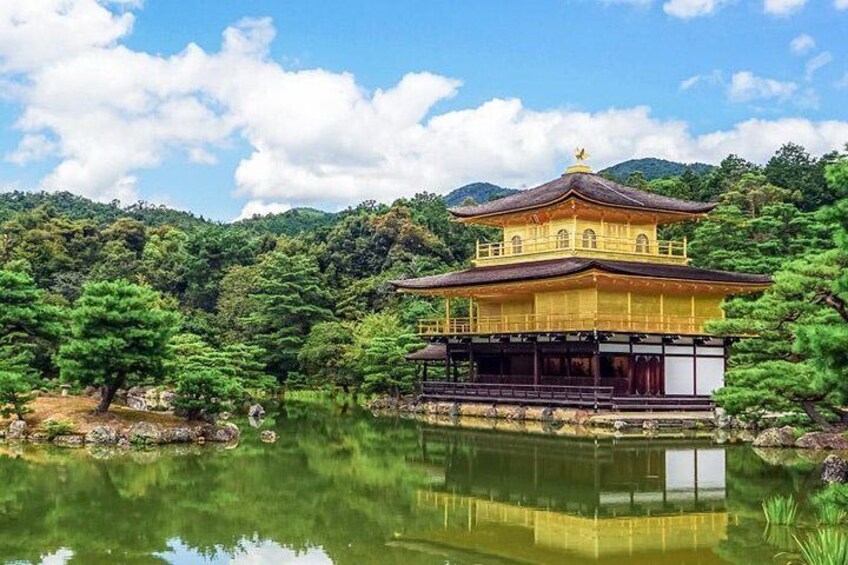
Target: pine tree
{"x": 289, "y": 298}
{"x": 118, "y": 337}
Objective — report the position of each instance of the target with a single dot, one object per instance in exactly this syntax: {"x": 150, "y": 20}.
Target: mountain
{"x": 479, "y": 191}
{"x": 654, "y": 169}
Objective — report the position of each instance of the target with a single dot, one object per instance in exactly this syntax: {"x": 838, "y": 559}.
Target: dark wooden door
{"x": 647, "y": 375}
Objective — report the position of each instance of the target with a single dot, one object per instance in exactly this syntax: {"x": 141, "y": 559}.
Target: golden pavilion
{"x": 580, "y": 303}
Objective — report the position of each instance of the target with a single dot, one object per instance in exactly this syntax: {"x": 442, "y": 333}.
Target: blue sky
{"x": 327, "y": 103}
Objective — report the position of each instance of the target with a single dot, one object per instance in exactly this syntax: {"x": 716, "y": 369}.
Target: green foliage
{"x": 380, "y": 344}
{"x": 15, "y": 392}
{"x": 323, "y": 355}
{"x": 118, "y": 337}
{"x": 288, "y": 298}
{"x": 204, "y": 391}
{"x": 826, "y": 546}
{"x": 479, "y": 192}
{"x": 781, "y": 510}
{"x": 53, "y": 428}
{"x": 830, "y": 514}
{"x": 203, "y": 373}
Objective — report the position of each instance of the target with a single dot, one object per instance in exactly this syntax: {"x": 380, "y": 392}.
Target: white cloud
{"x": 688, "y": 9}
{"x": 843, "y": 82}
{"x": 316, "y": 137}
{"x": 713, "y": 78}
{"x": 259, "y": 208}
{"x": 745, "y": 86}
{"x": 817, "y": 62}
{"x": 840, "y": 4}
{"x": 802, "y": 44}
{"x": 783, "y": 7}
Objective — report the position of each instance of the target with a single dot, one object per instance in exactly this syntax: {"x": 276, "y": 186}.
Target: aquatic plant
{"x": 827, "y": 546}
{"x": 54, "y": 428}
{"x": 830, "y": 514}
{"x": 781, "y": 510}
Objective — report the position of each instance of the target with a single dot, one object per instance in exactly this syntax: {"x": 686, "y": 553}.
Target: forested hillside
{"x": 652, "y": 169}
{"x": 305, "y": 297}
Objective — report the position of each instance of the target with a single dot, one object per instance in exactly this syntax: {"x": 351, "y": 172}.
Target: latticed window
{"x": 516, "y": 244}
{"x": 641, "y": 243}
{"x": 590, "y": 240}
{"x": 562, "y": 239}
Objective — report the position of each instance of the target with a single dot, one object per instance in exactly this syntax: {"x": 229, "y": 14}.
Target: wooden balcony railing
{"x": 664, "y": 251}
{"x": 578, "y": 396}
{"x": 536, "y": 323}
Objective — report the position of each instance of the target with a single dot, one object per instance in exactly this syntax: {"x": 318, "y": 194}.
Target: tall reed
{"x": 830, "y": 514}
{"x": 781, "y": 510}
{"x": 827, "y": 546}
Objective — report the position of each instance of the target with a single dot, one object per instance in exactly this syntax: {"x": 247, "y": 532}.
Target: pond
{"x": 344, "y": 487}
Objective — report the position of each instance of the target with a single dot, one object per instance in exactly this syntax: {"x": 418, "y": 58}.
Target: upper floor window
{"x": 516, "y": 244}
{"x": 641, "y": 243}
{"x": 590, "y": 240}
{"x": 562, "y": 240}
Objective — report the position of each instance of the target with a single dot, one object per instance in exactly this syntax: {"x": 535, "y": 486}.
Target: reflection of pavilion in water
{"x": 541, "y": 500}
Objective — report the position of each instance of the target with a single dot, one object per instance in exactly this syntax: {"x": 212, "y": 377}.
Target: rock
{"x": 144, "y": 433}
{"x": 91, "y": 392}
{"x": 548, "y": 414}
{"x": 455, "y": 409}
{"x": 137, "y": 398}
{"x": 102, "y": 435}
{"x": 224, "y": 416}
{"x": 37, "y": 437}
{"x": 255, "y": 422}
{"x": 517, "y": 415}
{"x": 179, "y": 435}
{"x": 581, "y": 417}
{"x": 776, "y": 437}
{"x": 492, "y": 412}
{"x": 620, "y": 425}
{"x": 256, "y": 411}
{"x": 723, "y": 420}
{"x": 267, "y": 436}
{"x": 166, "y": 400}
{"x": 835, "y": 470}
{"x": 17, "y": 430}
{"x": 124, "y": 443}
{"x": 226, "y": 433}
{"x": 68, "y": 440}
{"x": 650, "y": 425}
{"x": 822, "y": 440}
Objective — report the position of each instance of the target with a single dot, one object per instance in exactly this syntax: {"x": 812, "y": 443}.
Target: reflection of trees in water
{"x": 346, "y": 483}
{"x": 750, "y": 481}
{"x": 330, "y": 482}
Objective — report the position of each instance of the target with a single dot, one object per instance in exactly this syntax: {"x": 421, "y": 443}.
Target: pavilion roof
{"x": 553, "y": 268}
{"x": 430, "y": 352}
{"x": 587, "y": 186}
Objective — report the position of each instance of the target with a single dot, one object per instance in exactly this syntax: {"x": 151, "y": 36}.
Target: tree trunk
{"x": 107, "y": 394}
{"x": 809, "y": 408}
{"x": 837, "y": 304}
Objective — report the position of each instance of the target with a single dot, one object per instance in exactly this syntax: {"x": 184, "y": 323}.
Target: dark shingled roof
{"x": 431, "y": 352}
{"x": 571, "y": 266}
{"x": 589, "y": 187}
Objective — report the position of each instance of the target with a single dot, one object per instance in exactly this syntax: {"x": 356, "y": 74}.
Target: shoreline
{"x": 70, "y": 422}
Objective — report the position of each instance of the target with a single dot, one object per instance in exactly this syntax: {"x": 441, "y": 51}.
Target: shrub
{"x": 204, "y": 391}
{"x": 53, "y": 428}
{"x": 781, "y": 510}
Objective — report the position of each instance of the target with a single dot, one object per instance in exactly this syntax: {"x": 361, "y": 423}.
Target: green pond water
{"x": 341, "y": 486}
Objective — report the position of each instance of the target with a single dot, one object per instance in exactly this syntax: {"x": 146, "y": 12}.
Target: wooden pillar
{"x": 536, "y": 363}
{"x": 596, "y": 367}
{"x": 426, "y": 364}
{"x": 471, "y": 370}
{"x": 447, "y": 361}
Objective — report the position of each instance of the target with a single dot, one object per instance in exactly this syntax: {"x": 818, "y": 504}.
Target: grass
{"x": 781, "y": 510}
{"x": 830, "y": 514}
{"x": 827, "y": 546}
